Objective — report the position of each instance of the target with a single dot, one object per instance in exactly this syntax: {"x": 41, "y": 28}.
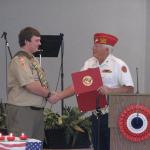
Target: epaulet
{"x": 22, "y": 53}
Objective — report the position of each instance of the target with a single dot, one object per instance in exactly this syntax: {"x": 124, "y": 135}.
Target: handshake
{"x": 59, "y": 95}
{"x": 55, "y": 97}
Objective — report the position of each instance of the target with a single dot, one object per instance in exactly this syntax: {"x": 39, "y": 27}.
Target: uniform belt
{"x": 36, "y": 108}
{"x": 102, "y": 111}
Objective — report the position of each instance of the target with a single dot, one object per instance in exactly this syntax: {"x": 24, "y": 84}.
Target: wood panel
{"x": 117, "y": 104}
{"x": 118, "y": 142}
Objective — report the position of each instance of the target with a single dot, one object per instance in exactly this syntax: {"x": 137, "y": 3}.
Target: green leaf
{"x": 72, "y": 120}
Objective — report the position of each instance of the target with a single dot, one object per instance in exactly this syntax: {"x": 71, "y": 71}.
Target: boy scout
{"x": 27, "y": 88}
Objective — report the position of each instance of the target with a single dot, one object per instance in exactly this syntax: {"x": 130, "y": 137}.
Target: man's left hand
{"x": 104, "y": 90}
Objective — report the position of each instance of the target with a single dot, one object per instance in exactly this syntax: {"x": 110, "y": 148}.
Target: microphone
{"x": 137, "y": 80}
{"x": 40, "y": 50}
{"x": 4, "y": 34}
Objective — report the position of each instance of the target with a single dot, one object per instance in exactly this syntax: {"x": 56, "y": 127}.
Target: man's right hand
{"x": 54, "y": 98}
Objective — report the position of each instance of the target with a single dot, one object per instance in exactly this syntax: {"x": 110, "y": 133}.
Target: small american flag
{"x": 34, "y": 145}
{"x": 31, "y": 144}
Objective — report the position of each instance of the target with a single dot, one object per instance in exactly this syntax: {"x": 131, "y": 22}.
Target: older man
{"x": 116, "y": 78}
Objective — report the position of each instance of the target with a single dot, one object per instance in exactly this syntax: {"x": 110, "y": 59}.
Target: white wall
{"x": 147, "y": 58}
{"x": 78, "y": 20}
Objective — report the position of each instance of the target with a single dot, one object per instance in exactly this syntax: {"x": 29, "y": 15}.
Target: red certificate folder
{"x": 86, "y": 84}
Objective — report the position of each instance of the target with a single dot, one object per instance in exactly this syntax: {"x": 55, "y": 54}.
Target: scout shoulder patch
{"x": 124, "y": 69}
{"x": 22, "y": 61}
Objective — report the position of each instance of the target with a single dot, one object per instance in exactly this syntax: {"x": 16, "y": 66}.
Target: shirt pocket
{"x": 108, "y": 79}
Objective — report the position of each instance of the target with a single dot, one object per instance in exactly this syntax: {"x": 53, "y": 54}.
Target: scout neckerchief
{"x": 36, "y": 66}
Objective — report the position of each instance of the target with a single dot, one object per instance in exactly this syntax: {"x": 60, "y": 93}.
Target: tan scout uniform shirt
{"x": 21, "y": 72}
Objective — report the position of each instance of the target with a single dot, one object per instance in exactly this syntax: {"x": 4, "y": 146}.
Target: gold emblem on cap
{"x": 103, "y": 40}
{"x": 87, "y": 80}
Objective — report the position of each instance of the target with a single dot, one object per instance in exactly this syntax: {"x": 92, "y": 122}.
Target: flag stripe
{"x": 2, "y": 147}
{"x": 14, "y": 145}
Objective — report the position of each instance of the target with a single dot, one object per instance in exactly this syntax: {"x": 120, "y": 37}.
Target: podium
{"x": 117, "y": 104}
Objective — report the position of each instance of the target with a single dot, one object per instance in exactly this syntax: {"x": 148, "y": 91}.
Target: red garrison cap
{"x": 103, "y": 38}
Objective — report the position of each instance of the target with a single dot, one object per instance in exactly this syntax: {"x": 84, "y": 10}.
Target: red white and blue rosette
{"x": 134, "y": 123}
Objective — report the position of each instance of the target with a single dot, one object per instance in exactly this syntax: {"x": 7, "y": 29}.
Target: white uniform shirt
{"x": 115, "y": 73}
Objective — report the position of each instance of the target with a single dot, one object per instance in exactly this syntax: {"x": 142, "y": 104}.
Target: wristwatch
{"x": 48, "y": 95}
